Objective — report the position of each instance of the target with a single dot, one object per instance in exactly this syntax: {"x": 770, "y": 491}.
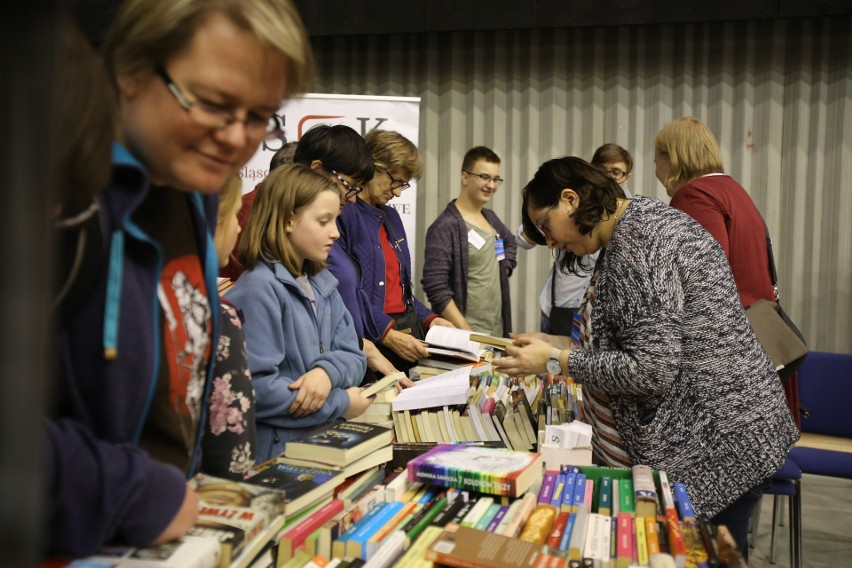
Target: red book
{"x": 624, "y": 542}
{"x": 558, "y": 527}
{"x": 294, "y": 538}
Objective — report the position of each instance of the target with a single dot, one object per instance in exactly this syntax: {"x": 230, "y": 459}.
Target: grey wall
{"x": 777, "y": 93}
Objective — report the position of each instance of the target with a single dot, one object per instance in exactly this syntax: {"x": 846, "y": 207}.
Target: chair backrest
{"x": 825, "y": 389}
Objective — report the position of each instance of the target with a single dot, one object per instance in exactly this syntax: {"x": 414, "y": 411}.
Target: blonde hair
{"x": 393, "y": 152}
{"x": 692, "y": 150}
{"x": 147, "y": 33}
{"x": 283, "y": 194}
{"x": 229, "y": 196}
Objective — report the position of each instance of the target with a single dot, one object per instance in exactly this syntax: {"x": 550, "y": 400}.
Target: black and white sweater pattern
{"x": 691, "y": 389}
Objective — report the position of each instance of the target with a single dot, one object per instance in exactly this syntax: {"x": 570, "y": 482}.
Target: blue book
{"x": 556, "y": 500}
{"x": 684, "y": 505}
{"x": 356, "y": 544}
{"x": 339, "y": 545}
{"x": 486, "y": 519}
{"x": 568, "y": 491}
{"x": 579, "y": 492}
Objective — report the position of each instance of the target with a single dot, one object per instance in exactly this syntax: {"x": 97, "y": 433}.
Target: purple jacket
{"x": 102, "y": 486}
{"x": 446, "y": 262}
{"x": 359, "y": 234}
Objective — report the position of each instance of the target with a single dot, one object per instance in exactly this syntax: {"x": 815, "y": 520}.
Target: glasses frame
{"x": 220, "y": 118}
{"x": 540, "y": 227}
{"x": 350, "y": 190}
{"x": 398, "y": 183}
{"x": 618, "y": 174}
{"x": 486, "y": 178}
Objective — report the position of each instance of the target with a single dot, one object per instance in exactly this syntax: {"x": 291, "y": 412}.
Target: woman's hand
{"x": 527, "y": 357}
{"x": 560, "y": 341}
{"x": 443, "y": 321}
{"x": 357, "y": 403}
{"x": 183, "y": 520}
{"x": 403, "y": 384}
{"x": 375, "y": 360}
{"x": 313, "y": 388}
{"x": 406, "y": 346}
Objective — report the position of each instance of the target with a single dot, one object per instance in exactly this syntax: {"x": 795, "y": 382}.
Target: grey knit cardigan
{"x": 691, "y": 389}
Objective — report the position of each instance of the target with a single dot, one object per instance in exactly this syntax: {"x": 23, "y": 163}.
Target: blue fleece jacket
{"x": 285, "y": 340}
{"x": 102, "y": 486}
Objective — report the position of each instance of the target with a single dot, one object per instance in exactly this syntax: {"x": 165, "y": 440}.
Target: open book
{"x": 493, "y": 341}
{"x": 452, "y": 342}
{"x": 450, "y": 388}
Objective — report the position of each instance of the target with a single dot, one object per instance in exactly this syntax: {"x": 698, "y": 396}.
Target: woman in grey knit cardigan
{"x": 676, "y": 379}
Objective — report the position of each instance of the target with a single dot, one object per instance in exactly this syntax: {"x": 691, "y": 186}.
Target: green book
{"x": 605, "y": 496}
{"x": 626, "y": 503}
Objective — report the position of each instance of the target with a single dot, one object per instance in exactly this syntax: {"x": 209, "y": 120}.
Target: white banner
{"x": 363, "y": 113}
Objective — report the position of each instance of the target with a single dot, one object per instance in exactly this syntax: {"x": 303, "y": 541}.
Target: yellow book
{"x": 641, "y": 541}
{"x": 415, "y": 429}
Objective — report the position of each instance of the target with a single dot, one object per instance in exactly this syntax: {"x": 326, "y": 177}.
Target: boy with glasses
{"x": 470, "y": 253}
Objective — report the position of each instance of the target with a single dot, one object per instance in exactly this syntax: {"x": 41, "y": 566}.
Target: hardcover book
{"x": 486, "y": 470}
{"x": 303, "y": 486}
{"x": 339, "y": 443}
{"x": 235, "y": 513}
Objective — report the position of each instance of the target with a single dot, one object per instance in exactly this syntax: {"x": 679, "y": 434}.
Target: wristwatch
{"x": 554, "y": 367}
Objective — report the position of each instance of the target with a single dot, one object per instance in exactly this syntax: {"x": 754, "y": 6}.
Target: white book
{"x": 390, "y": 549}
{"x": 450, "y": 388}
{"x": 477, "y": 511}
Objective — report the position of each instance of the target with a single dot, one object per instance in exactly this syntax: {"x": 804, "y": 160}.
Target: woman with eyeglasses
{"x": 564, "y": 289}
{"x": 672, "y": 374}
{"x": 197, "y": 84}
{"x": 373, "y": 233}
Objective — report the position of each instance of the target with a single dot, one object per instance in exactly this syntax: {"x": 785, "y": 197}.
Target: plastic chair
{"x": 785, "y": 483}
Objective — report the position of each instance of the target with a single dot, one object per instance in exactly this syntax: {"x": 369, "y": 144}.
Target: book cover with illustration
{"x": 302, "y": 485}
{"x": 339, "y": 443}
{"x": 486, "y": 470}
{"x": 234, "y": 512}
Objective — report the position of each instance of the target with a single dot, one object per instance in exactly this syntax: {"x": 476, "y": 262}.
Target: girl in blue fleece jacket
{"x": 302, "y": 348}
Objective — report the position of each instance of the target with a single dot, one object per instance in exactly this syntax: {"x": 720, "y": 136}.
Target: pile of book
{"x": 470, "y": 404}
{"x": 451, "y": 349}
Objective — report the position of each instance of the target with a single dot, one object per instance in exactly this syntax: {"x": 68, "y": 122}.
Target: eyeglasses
{"x": 398, "y": 183}
{"x": 541, "y": 225}
{"x": 217, "y": 117}
{"x": 617, "y": 174}
{"x": 350, "y": 190}
{"x": 487, "y": 178}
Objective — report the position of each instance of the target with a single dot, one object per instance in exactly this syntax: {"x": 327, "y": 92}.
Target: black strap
{"x": 773, "y": 273}
{"x": 553, "y": 286}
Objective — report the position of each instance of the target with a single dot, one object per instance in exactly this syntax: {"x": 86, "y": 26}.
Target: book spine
{"x": 625, "y": 494}
{"x": 296, "y": 535}
{"x": 476, "y": 513}
{"x": 568, "y": 492}
{"x": 588, "y": 494}
{"x": 641, "y": 541}
{"x": 684, "y": 505}
{"x": 605, "y": 496}
{"x": 339, "y": 545}
{"x": 558, "y": 528}
{"x": 498, "y": 518}
{"x": 578, "y": 535}
{"x": 624, "y": 542}
{"x": 355, "y": 545}
{"x": 566, "y": 533}
{"x": 546, "y": 493}
{"x": 427, "y": 518}
{"x": 558, "y": 487}
{"x": 579, "y": 492}
{"x": 486, "y": 519}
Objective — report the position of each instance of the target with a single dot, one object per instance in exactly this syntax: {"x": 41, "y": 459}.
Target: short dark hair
{"x": 478, "y": 153}
{"x": 339, "y": 148}
{"x": 598, "y": 194}
{"x": 609, "y": 153}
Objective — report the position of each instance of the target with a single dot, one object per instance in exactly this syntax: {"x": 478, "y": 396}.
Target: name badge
{"x": 475, "y": 239}
{"x": 499, "y": 249}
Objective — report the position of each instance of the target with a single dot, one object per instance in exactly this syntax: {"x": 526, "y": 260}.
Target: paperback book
{"x": 339, "y": 443}
{"x": 486, "y": 470}
{"x": 303, "y": 486}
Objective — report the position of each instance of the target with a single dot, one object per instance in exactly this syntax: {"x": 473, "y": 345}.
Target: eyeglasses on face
{"x": 216, "y": 117}
{"x": 398, "y": 183}
{"x": 541, "y": 224}
{"x": 617, "y": 174}
{"x": 350, "y": 190}
{"x": 486, "y": 178}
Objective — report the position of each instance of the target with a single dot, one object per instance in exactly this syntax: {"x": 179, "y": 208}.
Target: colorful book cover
{"x": 486, "y": 519}
{"x": 579, "y": 492}
{"x": 485, "y": 470}
{"x": 547, "y": 486}
{"x": 556, "y": 500}
{"x": 498, "y": 518}
{"x": 605, "y": 495}
{"x": 356, "y": 544}
{"x": 684, "y": 505}
{"x": 568, "y": 491}
{"x": 625, "y": 495}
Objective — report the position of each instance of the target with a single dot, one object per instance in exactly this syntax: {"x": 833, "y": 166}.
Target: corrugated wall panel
{"x": 778, "y": 95}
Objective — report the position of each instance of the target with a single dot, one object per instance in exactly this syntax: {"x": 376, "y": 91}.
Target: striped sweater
{"x": 691, "y": 389}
